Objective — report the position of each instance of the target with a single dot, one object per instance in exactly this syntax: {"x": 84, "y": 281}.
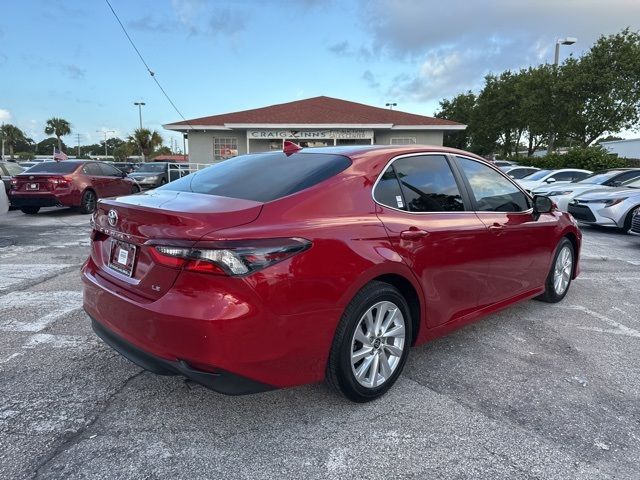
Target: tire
{"x": 628, "y": 219}
{"x": 552, "y": 294}
{"x": 30, "y": 210}
{"x": 341, "y": 368}
{"x": 163, "y": 182}
{"x": 88, "y": 201}
{"x": 135, "y": 189}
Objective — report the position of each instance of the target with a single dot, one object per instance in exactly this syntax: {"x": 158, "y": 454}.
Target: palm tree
{"x": 146, "y": 140}
{"x": 11, "y": 136}
{"x": 58, "y": 127}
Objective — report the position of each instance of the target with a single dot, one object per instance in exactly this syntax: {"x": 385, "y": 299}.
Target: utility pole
{"x": 78, "y": 135}
{"x": 140, "y": 105}
{"x": 105, "y": 139}
{"x": 2, "y": 133}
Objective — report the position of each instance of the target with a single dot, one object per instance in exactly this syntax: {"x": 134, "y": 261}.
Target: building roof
{"x": 317, "y": 112}
{"x": 171, "y": 158}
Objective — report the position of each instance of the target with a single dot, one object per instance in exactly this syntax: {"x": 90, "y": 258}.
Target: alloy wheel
{"x": 562, "y": 270}
{"x": 377, "y": 344}
{"x": 89, "y": 201}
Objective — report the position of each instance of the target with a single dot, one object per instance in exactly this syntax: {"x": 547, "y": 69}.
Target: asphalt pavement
{"x": 535, "y": 391}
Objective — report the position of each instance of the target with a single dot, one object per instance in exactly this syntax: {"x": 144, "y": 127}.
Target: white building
{"x": 629, "y": 148}
{"x": 313, "y": 122}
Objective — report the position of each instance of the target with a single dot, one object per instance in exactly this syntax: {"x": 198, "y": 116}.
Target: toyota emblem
{"x": 112, "y": 216}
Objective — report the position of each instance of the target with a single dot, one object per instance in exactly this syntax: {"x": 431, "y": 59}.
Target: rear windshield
{"x": 262, "y": 177}
{"x": 54, "y": 167}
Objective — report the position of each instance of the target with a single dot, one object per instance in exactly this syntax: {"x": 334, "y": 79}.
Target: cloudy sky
{"x": 69, "y": 58}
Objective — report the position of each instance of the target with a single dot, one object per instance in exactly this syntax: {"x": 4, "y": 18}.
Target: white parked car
{"x": 563, "y": 194}
{"x": 556, "y": 177}
{"x": 519, "y": 173}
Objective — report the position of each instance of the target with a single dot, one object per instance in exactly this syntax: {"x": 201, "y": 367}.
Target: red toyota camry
{"x": 283, "y": 268}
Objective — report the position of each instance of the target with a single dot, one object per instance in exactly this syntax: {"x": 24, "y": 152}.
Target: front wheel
{"x": 559, "y": 278}
{"x": 30, "y": 210}
{"x": 628, "y": 219}
{"x": 371, "y": 343}
{"x": 88, "y": 202}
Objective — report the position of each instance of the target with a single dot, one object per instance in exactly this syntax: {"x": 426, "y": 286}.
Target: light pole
{"x": 556, "y": 61}
{"x": 390, "y": 105}
{"x": 105, "y": 139}
{"x": 140, "y": 105}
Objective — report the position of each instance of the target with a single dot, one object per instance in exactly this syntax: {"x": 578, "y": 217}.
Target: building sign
{"x": 309, "y": 134}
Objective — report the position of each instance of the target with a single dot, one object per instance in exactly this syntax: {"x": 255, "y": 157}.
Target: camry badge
{"x": 112, "y": 217}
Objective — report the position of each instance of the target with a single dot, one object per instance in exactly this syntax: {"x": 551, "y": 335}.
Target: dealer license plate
{"x": 122, "y": 257}
{"x": 33, "y": 186}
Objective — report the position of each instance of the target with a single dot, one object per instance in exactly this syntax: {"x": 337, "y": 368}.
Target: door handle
{"x": 413, "y": 234}
{"x": 496, "y": 228}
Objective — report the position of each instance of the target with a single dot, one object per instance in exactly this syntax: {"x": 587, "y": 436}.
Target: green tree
{"x": 124, "y": 151}
{"x": 45, "y": 147}
{"x": 58, "y": 127}
{"x": 458, "y": 109}
{"x": 12, "y": 136}
{"x": 146, "y": 141}
{"x": 601, "y": 90}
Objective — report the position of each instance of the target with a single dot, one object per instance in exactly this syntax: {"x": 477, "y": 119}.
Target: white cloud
{"x": 5, "y": 115}
{"x": 446, "y": 49}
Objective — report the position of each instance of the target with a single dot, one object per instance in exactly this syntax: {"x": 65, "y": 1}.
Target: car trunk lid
{"x": 135, "y": 223}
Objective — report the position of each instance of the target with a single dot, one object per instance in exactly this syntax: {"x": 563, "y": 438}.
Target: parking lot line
{"x": 34, "y": 311}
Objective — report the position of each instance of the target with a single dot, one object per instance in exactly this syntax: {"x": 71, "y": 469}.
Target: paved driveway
{"x": 536, "y": 391}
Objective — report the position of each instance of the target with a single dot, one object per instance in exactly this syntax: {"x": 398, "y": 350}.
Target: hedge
{"x": 589, "y": 158}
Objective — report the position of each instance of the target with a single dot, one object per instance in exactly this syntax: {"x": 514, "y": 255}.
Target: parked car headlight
{"x": 557, "y": 193}
{"x": 609, "y": 202}
{"x": 152, "y": 178}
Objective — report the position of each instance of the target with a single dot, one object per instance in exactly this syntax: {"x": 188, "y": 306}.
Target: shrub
{"x": 589, "y": 158}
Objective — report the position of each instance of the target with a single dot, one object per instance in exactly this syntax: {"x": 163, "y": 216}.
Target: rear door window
{"x": 92, "y": 169}
{"x": 428, "y": 184}
{"x": 109, "y": 171}
{"x": 262, "y": 177}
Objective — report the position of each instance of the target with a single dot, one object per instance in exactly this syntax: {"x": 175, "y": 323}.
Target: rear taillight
{"x": 229, "y": 257}
{"x": 14, "y": 183}
{"x": 60, "y": 182}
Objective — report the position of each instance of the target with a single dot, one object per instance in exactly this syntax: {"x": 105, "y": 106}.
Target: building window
{"x": 225, "y": 147}
{"x": 403, "y": 141}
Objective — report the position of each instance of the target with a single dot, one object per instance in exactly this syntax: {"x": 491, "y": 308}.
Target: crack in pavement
{"x": 77, "y": 437}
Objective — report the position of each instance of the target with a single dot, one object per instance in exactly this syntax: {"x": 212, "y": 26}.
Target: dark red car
{"x": 283, "y": 268}
{"x": 68, "y": 184}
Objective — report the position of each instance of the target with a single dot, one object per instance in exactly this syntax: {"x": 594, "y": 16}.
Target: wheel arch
{"x": 408, "y": 291}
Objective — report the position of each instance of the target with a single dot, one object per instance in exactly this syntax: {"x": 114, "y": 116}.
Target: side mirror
{"x": 541, "y": 204}
{"x": 550, "y": 180}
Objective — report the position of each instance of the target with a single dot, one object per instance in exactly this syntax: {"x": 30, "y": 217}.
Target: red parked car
{"x": 283, "y": 268}
{"x": 69, "y": 183}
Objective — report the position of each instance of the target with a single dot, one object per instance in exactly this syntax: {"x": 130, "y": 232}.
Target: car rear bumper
{"x": 217, "y": 325}
{"x": 43, "y": 199}
{"x": 222, "y": 382}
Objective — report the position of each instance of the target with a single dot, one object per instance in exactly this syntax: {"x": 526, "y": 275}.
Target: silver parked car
{"x": 608, "y": 207}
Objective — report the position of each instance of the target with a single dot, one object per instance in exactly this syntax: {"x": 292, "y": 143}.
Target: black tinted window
{"x": 428, "y": 184}
{"x": 262, "y": 177}
{"x": 625, "y": 177}
{"x": 492, "y": 192}
{"x": 566, "y": 176}
{"x": 109, "y": 170}
{"x": 54, "y": 167}
{"x": 387, "y": 190}
{"x": 92, "y": 169}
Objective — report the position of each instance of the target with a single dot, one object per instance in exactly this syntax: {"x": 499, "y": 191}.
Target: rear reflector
{"x": 229, "y": 257}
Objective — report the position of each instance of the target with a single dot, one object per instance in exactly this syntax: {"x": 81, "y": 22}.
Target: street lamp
{"x": 140, "y": 104}
{"x": 556, "y": 61}
{"x": 105, "y": 139}
{"x": 390, "y": 105}
{"x": 563, "y": 41}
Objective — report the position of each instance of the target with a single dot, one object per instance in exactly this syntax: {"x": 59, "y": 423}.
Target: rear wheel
{"x": 88, "y": 201}
{"x": 30, "y": 210}
{"x": 371, "y": 343}
{"x": 559, "y": 278}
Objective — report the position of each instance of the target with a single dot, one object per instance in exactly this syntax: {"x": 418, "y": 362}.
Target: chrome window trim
{"x": 414, "y": 154}
{"x": 530, "y": 197}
